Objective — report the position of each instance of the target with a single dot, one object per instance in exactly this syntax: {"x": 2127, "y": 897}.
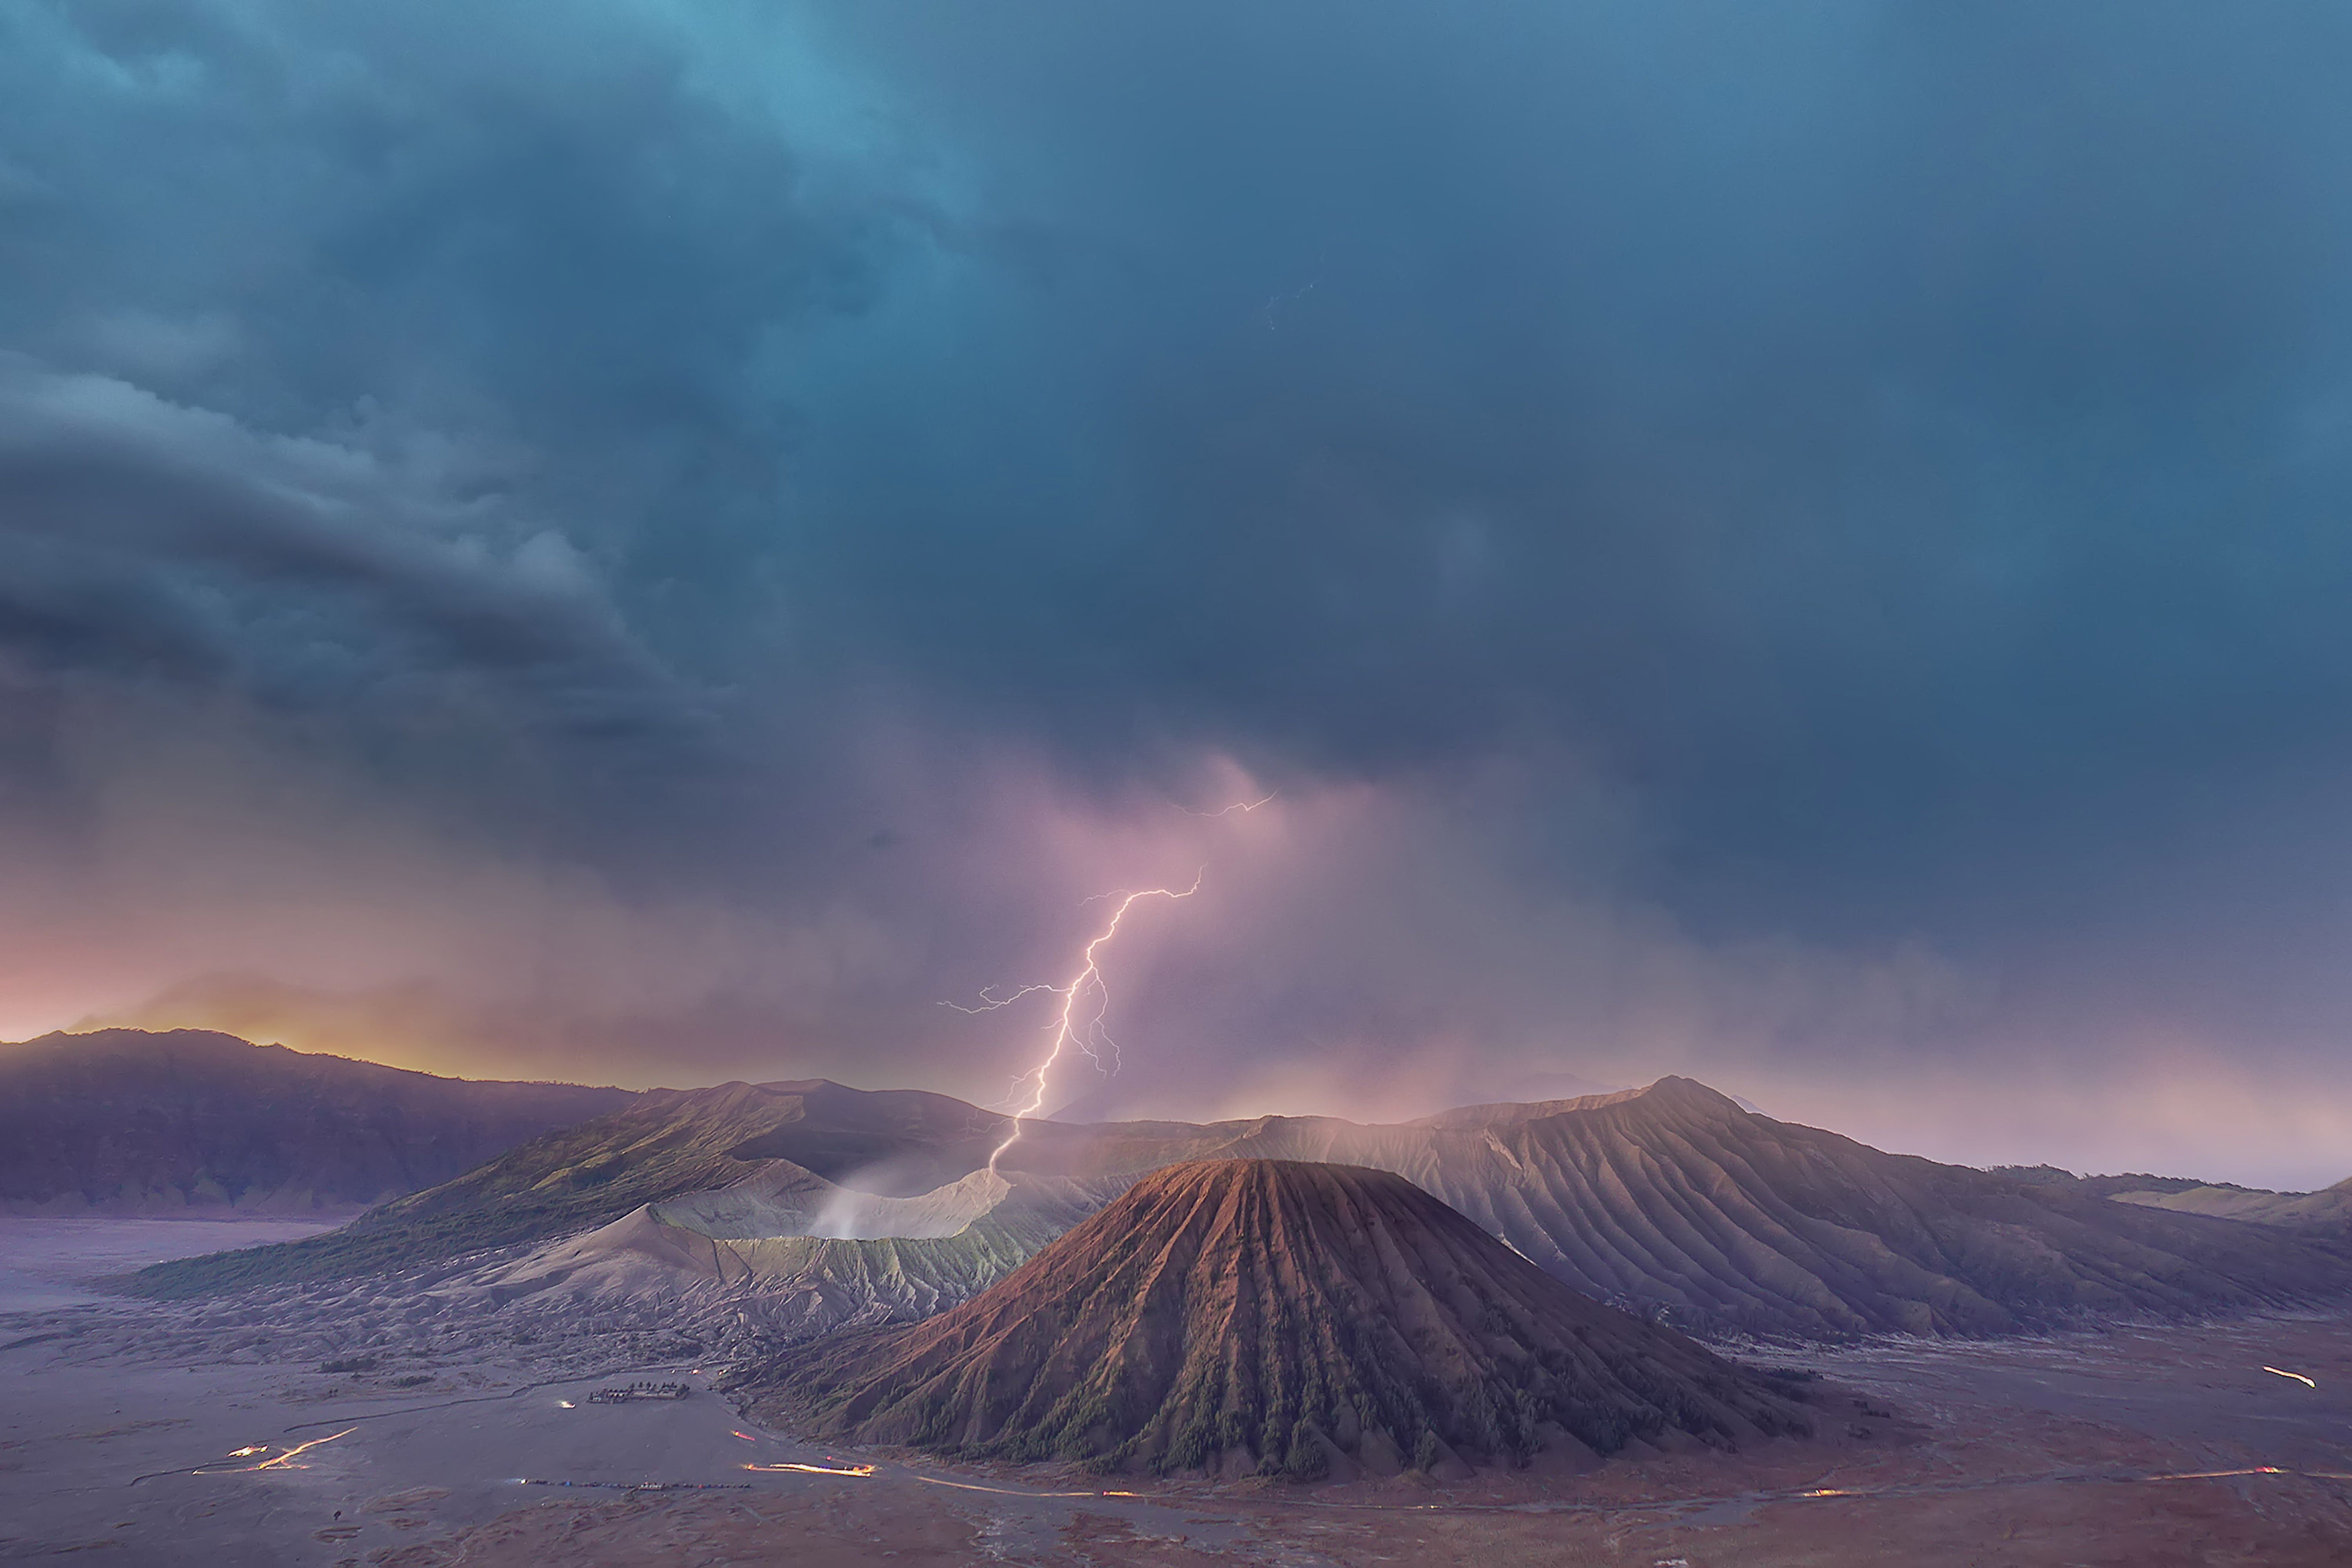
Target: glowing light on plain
{"x": 814, "y": 1469}
{"x": 284, "y": 1460}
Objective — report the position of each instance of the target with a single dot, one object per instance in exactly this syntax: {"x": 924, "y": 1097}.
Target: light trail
{"x": 1561, "y": 1506}
{"x": 634, "y": 1486}
{"x": 1012, "y": 1492}
{"x": 281, "y": 1462}
{"x": 2298, "y": 1376}
{"x": 1070, "y": 1030}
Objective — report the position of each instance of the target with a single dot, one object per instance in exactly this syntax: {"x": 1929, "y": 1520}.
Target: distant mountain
{"x": 1276, "y": 1316}
{"x": 126, "y": 1121}
{"x": 2109, "y": 1185}
{"x": 2326, "y": 1213}
{"x": 1670, "y": 1201}
{"x": 1103, "y": 1099}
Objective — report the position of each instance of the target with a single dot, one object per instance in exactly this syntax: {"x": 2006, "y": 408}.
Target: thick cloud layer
{"x": 1801, "y": 547}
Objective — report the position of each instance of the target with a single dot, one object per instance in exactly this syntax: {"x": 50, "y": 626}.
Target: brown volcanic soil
{"x": 1281, "y": 1316}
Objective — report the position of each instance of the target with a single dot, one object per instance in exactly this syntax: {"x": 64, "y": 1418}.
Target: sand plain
{"x": 50, "y": 1262}
{"x": 2152, "y": 1445}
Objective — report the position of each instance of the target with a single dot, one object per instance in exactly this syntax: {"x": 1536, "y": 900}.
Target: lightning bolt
{"x": 1244, "y": 807}
{"x": 1072, "y": 1027}
{"x": 1293, "y": 297}
{"x": 989, "y": 1001}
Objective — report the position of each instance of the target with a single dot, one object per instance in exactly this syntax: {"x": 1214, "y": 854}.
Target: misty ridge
{"x": 1666, "y": 1200}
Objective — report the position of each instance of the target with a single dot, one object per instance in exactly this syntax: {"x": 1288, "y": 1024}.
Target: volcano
{"x": 1281, "y": 1316}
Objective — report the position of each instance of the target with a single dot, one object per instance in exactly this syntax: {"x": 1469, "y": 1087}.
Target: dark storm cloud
{"x": 136, "y": 528}
{"x": 1884, "y": 439}
{"x": 1874, "y": 477}
{"x": 360, "y": 373}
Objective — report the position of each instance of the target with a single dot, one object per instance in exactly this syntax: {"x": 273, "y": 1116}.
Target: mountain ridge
{"x": 1670, "y": 1201}
{"x": 191, "y": 1120}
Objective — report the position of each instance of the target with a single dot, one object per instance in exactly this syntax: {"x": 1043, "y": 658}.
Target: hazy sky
{"x": 1807, "y": 546}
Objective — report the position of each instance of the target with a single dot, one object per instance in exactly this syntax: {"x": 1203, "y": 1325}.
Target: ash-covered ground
{"x": 387, "y": 1425}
